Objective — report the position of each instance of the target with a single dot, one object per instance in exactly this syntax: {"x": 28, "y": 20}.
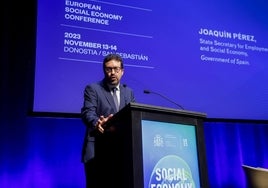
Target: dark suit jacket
{"x": 99, "y": 101}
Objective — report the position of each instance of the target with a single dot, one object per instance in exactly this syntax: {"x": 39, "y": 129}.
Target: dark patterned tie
{"x": 115, "y": 99}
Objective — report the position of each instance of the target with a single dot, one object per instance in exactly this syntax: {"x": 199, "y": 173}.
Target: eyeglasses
{"x": 110, "y": 69}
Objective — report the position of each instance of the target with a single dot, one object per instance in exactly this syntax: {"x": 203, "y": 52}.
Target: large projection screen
{"x": 208, "y": 56}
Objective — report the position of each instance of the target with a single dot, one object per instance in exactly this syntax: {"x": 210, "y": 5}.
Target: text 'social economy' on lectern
{"x": 147, "y": 146}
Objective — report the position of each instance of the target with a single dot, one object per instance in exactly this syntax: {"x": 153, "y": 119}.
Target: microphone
{"x": 166, "y": 98}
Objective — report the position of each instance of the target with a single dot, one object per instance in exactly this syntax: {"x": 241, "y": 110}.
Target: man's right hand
{"x": 101, "y": 122}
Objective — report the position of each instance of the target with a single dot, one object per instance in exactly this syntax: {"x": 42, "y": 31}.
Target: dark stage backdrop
{"x": 45, "y": 151}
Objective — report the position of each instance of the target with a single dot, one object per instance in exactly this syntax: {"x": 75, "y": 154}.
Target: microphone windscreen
{"x": 146, "y": 91}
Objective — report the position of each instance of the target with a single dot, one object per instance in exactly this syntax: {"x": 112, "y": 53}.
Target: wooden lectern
{"x": 140, "y": 140}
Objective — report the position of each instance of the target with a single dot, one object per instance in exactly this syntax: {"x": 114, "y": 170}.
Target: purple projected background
{"x": 210, "y": 59}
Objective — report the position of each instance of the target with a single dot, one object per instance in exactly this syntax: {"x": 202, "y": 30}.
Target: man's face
{"x": 113, "y": 72}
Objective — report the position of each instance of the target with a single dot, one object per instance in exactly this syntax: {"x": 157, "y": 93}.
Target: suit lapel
{"x": 107, "y": 94}
{"x": 122, "y": 95}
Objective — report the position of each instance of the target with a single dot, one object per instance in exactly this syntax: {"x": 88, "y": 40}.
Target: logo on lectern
{"x": 171, "y": 171}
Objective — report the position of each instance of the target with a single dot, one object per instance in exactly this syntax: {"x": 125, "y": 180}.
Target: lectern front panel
{"x": 170, "y": 155}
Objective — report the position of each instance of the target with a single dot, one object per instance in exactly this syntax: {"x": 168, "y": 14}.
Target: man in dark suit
{"x": 99, "y": 106}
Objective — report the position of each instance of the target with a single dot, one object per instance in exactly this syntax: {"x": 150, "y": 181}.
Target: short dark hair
{"x": 110, "y": 57}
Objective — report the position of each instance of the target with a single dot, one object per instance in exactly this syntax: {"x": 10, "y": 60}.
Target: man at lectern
{"x": 101, "y": 100}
